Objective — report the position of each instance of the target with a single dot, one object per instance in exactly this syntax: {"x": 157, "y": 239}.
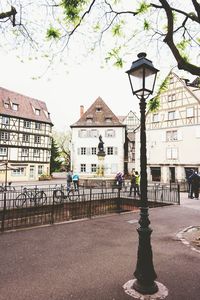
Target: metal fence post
{"x": 4, "y": 211}
{"x": 90, "y": 204}
{"x": 178, "y": 191}
{"x": 118, "y": 201}
{"x": 52, "y": 211}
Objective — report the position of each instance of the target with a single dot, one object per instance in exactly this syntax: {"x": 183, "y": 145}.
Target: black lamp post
{"x": 142, "y": 76}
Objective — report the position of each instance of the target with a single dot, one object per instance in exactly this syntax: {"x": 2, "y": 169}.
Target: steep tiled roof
{"x": 98, "y": 114}
{"x": 27, "y": 107}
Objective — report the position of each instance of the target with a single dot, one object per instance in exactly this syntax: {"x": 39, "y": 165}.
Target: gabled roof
{"x": 98, "y": 114}
{"x": 27, "y": 107}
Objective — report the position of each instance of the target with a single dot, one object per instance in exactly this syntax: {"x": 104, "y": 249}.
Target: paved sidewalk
{"x": 92, "y": 259}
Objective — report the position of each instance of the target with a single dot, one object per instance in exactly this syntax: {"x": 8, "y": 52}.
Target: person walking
{"x": 137, "y": 181}
{"x": 69, "y": 180}
{"x": 75, "y": 179}
{"x": 195, "y": 184}
{"x": 119, "y": 180}
{"x": 133, "y": 184}
{"x": 188, "y": 175}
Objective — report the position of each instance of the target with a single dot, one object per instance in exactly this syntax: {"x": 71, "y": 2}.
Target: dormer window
{"x": 98, "y": 109}
{"x": 6, "y": 104}
{"x": 108, "y": 119}
{"x": 15, "y": 106}
{"x": 37, "y": 111}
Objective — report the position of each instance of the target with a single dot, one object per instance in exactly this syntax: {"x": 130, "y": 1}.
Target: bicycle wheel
{"x": 73, "y": 195}
{"x": 58, "y": 196}
{"x": 20, "y": 200}
{"x": 40, "y": 198}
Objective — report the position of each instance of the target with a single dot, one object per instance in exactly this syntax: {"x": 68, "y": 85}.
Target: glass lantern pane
{"x": 137, "y": 79}
{"x": 149, "y": 80}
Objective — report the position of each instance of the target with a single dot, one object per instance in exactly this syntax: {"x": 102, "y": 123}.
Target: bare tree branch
{"x": 9, "y": 14}
{"x": 182, "y": 63}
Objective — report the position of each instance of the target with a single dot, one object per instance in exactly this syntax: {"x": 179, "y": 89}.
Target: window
{"x": 110, "y": 133}
{"x": 5, "y": 136}
{"x": 155, "y": 118}
{"x": 5, "y": 120}
{"x": 6, "y": 105}
{"x": 37, "y": 126}
{"x": 37, "y": 111}
{"x": 40, "y": 169}
{"x": 15, "y": 106}
{"x": 94, "y": 150}
{"x": 83, "y": 133}
{"x": 171, "y": 135}
{"x": 172, "y": 153}
{"x": 27, "y": 124}
{"x": 93, "y": 168}
{"x": 18, "y": 172}
{"x": 25, "y": 138}
{"x": 94, "y": 133}
{"x": 37, "y": 139}
{"x": 110, "y": 150}
{"x": 24, "y": 152}
{"x": 3, "y": 151}
{"x": 83, "y": 150}
{"x": 108, "y": 119}
{"x": 83, "y": 168}
{"x": 171, "y": 115}
{"x": 190, "y": 112}
{"x": 36, "y": 152}
{"x": 172, "y": 97}
{"x": 98, "y": 109}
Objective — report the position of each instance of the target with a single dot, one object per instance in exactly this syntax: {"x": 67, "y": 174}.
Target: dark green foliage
{"x": 55, "y": 163}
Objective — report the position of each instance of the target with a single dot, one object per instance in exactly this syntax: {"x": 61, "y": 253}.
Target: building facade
{"x": 173, "y": 132}
{"x": 97, "y": 120}
{"x": 131, "y": 121}
{"x": 25, "y": 137}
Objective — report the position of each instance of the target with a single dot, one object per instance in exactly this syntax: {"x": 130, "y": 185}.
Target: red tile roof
{"x": 26, "y": 106}
{"x": 98, "y": 114}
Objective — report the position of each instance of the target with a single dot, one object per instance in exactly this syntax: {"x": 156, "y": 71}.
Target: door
{"x": 32, "y": 172}
{"x": 172, "y": 174}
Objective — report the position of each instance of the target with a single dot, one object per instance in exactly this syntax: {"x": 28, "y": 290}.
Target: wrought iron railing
{"x": 38, "y": 205}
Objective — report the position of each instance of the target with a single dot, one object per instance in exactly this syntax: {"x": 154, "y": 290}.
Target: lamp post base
{"x": 145, "y": 289}
{"x": 162, "y": 292}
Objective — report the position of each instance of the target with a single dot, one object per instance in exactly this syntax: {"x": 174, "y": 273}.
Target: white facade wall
{"x": 112, "y": 163}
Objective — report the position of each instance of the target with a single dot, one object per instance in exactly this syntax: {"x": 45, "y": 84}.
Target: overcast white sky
{"x": 80, "y": 80}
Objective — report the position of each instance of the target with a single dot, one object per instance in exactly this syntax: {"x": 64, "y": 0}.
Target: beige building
{"x": 25, "y": 137}
{"x": 173, "y": 132}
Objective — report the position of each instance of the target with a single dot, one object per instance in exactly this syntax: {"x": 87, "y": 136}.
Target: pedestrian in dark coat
{"x": 195, "y": 183}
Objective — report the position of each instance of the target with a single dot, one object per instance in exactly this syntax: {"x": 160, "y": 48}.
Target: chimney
{"x": 81, "y": 110}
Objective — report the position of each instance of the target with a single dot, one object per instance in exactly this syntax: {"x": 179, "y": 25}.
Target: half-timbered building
{"x": 173, "y": 132}
{"x": 25, "y": 137}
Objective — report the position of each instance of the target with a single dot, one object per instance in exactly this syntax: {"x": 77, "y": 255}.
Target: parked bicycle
{"x": 7, "y": 188}
{"x": 35, "y": 195}
{"x": 60, "y": 194}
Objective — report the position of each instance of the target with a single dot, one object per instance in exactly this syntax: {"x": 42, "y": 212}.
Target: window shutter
{"x": 169, "y": 153}
{"x": 115, "y": 150}
{"x": 78, "y": 151}
{"x": 88, "y": 151}
{"x": 179, "y": 135}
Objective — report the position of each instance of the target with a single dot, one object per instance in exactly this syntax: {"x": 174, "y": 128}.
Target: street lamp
{"x": 142, "y": 76}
